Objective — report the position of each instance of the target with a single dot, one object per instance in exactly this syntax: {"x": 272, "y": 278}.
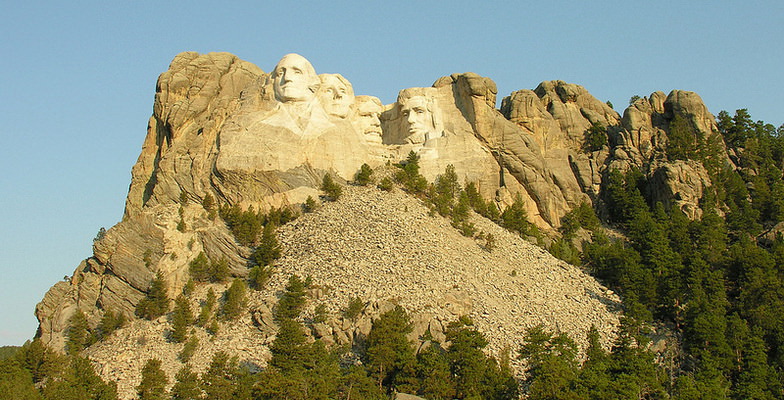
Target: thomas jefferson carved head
{"x": 336, "y": 94}
{"x": 420, "y": 116}
{"x": 369, "y": 110}
{"x": 295, "y": 79}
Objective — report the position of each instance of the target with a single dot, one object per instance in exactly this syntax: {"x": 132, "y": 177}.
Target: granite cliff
{"x": 223, "y": 127}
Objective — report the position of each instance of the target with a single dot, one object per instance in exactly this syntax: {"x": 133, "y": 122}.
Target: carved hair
{"x": 342, "y": 80}
{"x": 369, "y": 99}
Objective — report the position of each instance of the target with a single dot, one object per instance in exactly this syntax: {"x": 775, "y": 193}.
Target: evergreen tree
{"x": 154, "y": 381}
{"x": 207, "y": 308}
{"x": 259, "y": 276}
{"x": 683, "y": 139}
{"x": 364, "y": 175}
{"x": 16, "y": 382}
{"x": 110, "y": 322}
{"x": 445, "y": 190}
{"x": 219, "y": 271}
{"x": 182, "y": 318}
{"x": 269, "y": 248}
{"x": 552, "y": 364}
{"x": 39, "y": 360}
{"x": 199, "y": 268}
{"x": 79, "y": 382}
{"x": 515, "y": 219}
{"x": 219, "y": 382}
{"x": 757, "y": 379}
{"x": 595, "y": 137}
{"x": 310, "y": 204}
{"x": 353, "y": 308}
{"x": 594, "y": 378}
{"x": 434, "y": 374}
{"x": 78, "y": 333}
{"x": 476, "y": 376}
{"x": 331, "y": 189}
{"x": 356, "y": 384}
{"x": 290, "y": 304}
{"x": 186, "y": 386}
{"x": 388, "y": 351}
{"x": 234, "y": 300}
{"x": 409, "y": 175}
{"x": 188, "y": 349}
{"x": 244, "y": 225}
{"x": 208, "y": 203}
{"x": 156, "y": 302}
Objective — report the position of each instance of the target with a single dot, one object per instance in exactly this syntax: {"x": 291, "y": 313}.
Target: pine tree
{"x": 154, "y": 381}
{"x": 78, "y": 333}
{"x": 207, "y": 308}
{"x": 199, "y": 268}
{"x": 332, "y": 190}
{"x": 259, "y": 276}
{"x": 110, "y": 322}
{"x": 156, "y": 302}
{"x": 235, "y": 300}
{"x": 514, "y": 218}
{"x": 208, "y": 203}
{"x": 290, "y": 304}
{"x": 269, "y": 248}
{"x": 476, "y": 375}
{"x": 186, "y": 386}
{"x": 219, "y": 382}
{"x": 364, "y": 175}
{"x": 182, "y": 318}
{"x": 409, "y": 175}
{"x": 188, "y": 349}
{"x": 445, "y": 190}
{"x": 16, "y": 382}
{"x": 434, "y": 374}
{"x": 594, "y": 377}
{"x": 552, "y": 364}
{"x": 388, "y": 350}
{"x": 79, "y": 381}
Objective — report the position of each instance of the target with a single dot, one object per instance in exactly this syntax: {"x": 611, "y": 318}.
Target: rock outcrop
{"x": 222, "y": 127}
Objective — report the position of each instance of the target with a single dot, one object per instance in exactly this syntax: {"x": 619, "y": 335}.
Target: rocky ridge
{"x": 213, "y": 132}
{"x": 386, "y": 248}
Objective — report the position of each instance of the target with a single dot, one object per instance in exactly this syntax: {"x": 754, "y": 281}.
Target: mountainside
{"x": 226, "y": 135}
{"x": 386, "y": 249}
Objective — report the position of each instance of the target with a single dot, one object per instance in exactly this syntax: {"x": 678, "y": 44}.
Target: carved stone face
{"x": 294, "y": 79}
{"x": 418, "y": 117}
{"x": 368, "y": 113}
{"x": 336, "y": 95}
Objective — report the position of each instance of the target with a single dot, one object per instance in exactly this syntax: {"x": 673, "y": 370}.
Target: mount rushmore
{"x": 222, "y": 126}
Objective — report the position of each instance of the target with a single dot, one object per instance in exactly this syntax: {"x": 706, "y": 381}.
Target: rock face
{"x": 222, "y": 127}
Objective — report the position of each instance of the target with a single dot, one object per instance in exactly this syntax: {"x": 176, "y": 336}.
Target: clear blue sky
{"x": 77, "y": 81}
